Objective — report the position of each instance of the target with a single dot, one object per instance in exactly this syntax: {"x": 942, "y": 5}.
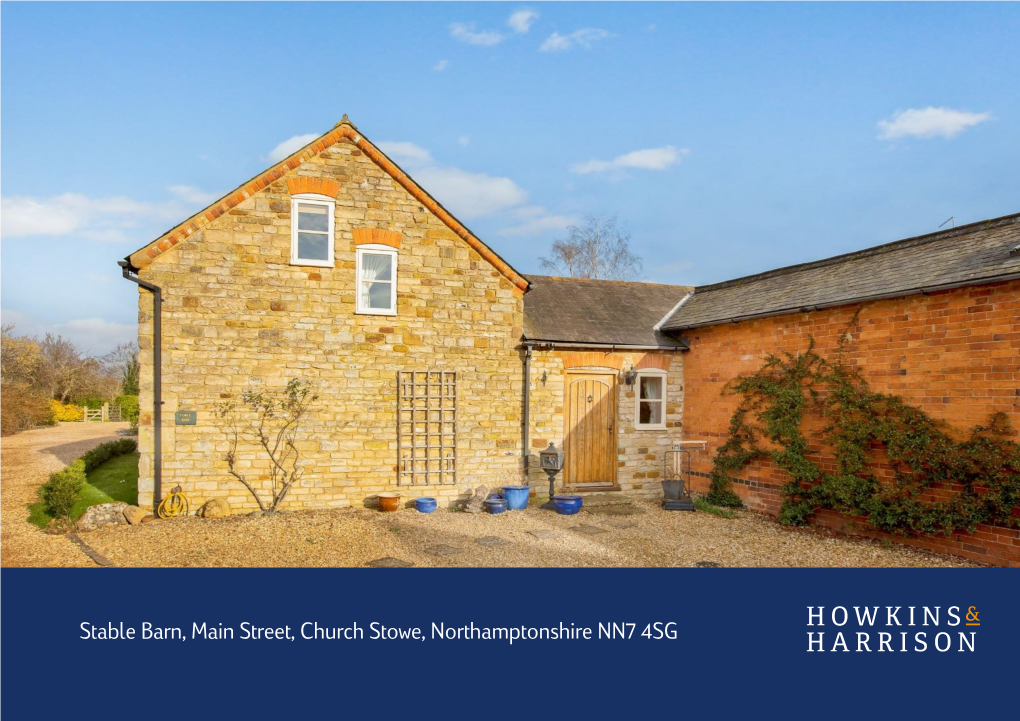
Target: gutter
{"x": 130, "y": 273}
{"x": 608, "y": 347}
{"x": 926, "y": 290}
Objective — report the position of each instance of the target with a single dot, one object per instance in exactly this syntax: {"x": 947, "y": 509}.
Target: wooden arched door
{"x": 590, "y": 435}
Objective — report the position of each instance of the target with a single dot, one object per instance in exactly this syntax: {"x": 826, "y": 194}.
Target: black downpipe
{"x": 526, "y": 423}
{"x": 157, "y": 379}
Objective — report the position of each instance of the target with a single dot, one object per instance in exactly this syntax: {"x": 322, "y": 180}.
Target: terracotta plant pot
{"x": 389, "y": 502}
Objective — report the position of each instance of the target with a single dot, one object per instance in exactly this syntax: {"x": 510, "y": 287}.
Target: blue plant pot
{"x": 495, "y": 505}
{"x": 516, "y": 497}
{"x": 567, "y": 505}
{"x": 425, "y": 505}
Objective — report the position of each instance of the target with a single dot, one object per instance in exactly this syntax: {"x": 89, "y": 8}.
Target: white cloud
{"x": 289, "y": 146}
{"x": 583, "y": 38}
{"x": 929, "y": 123}
{"x": 463, "y": 140}
{"x": 104, "y": 219}
{"x": 466, "y": 33}
{"x": 193, "y": 195}
{"x": 471, "y": 195}
{"x": 467, "y": 195}
{"x": 521, "y": 20}
{"x": 648, "y": 159}
{"x": 406, "y": 153}
{"x": 113, "y": 219}
{"x": 535, "y": 220}
{"x": 441, "y": 66}
{"x": 93, "y": 335}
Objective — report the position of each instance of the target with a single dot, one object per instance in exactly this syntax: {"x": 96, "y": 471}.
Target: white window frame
{"x": 375, "y": 249}
{"x": 650, "y": 373}
{"x": 312, "y": 199}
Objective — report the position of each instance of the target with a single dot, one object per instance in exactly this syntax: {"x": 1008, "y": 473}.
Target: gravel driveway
{"x": 638, "y": 534}
{"x": 354, "y": 537}
{"x": 26, "y": 461}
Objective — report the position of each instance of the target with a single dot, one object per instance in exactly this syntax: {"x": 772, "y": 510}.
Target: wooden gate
{"x": 590, "y": 435}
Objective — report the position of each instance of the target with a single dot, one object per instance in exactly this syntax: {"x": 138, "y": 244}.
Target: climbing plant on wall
{"x": 939, "y": 484}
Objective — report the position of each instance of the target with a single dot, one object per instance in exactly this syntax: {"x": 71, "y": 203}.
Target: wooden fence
{"x": 105, "y": 414}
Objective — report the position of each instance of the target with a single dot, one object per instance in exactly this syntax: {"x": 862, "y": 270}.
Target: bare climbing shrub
{"x": 269, "y": 421}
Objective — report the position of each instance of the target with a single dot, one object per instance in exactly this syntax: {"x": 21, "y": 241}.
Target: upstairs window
{"x": 651, "y": 399}
{"x": 311, "y": 233}
{"x": 377, "y": 280}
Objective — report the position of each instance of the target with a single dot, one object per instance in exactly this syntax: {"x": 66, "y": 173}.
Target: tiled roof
{"x": 970, "y": 254}
{"x": 607, "y": 312}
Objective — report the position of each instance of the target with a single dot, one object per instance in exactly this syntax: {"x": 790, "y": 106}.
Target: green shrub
{"x": 91, "y": 402}
{"x": 128, "y": 408}
{"x": 105, "y": 451}
{"x": 62, "y": 491}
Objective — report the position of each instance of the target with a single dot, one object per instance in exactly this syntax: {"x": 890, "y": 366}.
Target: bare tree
{"x": 598, "y": 248}
{"x": 122, "y": 363}
{"x": 271, "y": 422}
{"x": 66, "y": 372}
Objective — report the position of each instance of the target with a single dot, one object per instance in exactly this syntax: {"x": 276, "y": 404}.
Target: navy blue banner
{"x": 538, "y": 643}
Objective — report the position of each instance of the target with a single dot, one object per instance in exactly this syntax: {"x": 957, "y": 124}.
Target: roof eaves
{"x": 343, "y": 129}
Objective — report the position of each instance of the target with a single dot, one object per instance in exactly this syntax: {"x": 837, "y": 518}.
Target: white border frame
{"x": 312, "y": 199}
{"x": 657, "y": 373}
{"x": 375, "y": 249}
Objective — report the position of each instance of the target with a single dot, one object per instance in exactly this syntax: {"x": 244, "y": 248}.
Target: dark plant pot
{"x": 567, "y": 505}
{"x": 425, "y": 505}
{"x": 672, "y": 489}
{"x": 389, "y": 502}
{"x": 516, "y": 497}
{"x": 495, "y": 505}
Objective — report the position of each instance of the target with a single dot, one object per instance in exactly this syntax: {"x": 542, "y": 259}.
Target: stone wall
{"x": 640, "y": 452}
{"x": 955, "y": 354}
{"x": 237, "y": 315}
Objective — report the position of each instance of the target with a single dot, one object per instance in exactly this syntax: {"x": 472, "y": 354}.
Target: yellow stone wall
{"x": 237, "y": 315}
{"x": 640, "y": 453}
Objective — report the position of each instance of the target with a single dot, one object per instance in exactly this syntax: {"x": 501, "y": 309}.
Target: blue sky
{"x": 728, "y": 138}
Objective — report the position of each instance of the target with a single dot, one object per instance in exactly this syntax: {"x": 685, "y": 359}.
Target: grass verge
{"x": 115, "y": 480}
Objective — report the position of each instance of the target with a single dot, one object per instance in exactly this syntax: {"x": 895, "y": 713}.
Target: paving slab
{"x": 544, "y": 534}
{"x": 614, "y": 509}
{"x": 491, "y": 541}
{"x": 620, "y": 523}
{"x": 389, "y": 562}
{"x": 588, "y": 530}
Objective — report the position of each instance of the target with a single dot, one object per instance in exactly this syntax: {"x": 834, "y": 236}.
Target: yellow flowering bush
{"x": 66, "y": 412}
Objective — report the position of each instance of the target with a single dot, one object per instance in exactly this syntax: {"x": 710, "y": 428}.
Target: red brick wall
{"x": 956, "y": 354}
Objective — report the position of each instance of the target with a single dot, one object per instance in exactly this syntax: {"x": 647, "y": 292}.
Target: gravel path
{"x": 353, "y": 537}
{"x": 26, "y": 461}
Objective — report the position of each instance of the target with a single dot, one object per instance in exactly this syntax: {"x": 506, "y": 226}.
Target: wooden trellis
{"x": 426, "y": 428}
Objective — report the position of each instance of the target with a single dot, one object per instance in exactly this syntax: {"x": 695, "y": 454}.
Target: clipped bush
{"x": 63, "y": 490}
{"x": 105, "y": 451}
{"x": 66, "y": 412}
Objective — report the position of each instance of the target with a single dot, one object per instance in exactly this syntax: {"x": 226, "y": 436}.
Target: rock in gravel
{"x": 216, "y": 508}
{"x": 476, "y": 503}
{"x": 134, "y": 515}
{"x": 103, "y": 514}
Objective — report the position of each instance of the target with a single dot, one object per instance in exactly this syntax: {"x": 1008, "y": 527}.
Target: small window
{"x": 377, "y": 280}
{"x": 651, "y": 400}
{"x": 311, "y": 241}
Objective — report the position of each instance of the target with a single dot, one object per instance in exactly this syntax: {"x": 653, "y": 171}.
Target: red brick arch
{"x": 379, "y": 236}
{"x": 319, "y": 186}
{"x": 661, "y": 361}
{"x": 594, "y": 359}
